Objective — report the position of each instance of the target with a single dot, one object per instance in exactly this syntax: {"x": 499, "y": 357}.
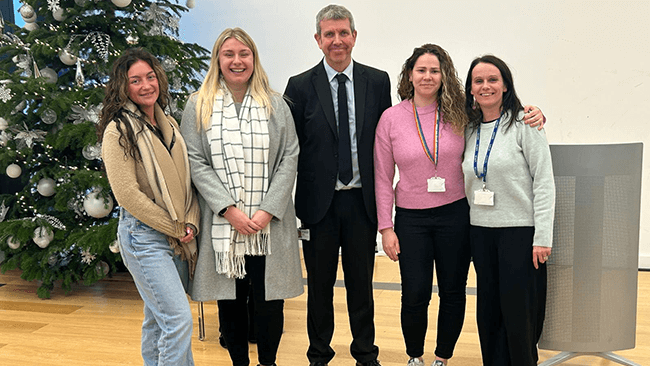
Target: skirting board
{"x": 644, "y": 261}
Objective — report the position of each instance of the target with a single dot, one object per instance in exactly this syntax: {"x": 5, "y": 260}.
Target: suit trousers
{"x": 269, "y": 317}
{"x": 346, "y": 226}
{"x": 440, "y": 235}
{"x": 511, "y": 295}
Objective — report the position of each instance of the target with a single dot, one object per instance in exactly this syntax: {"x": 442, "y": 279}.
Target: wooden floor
{"x": 100, "y": 325}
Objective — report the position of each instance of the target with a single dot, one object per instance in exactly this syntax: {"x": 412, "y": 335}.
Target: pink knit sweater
{"x": 397, "y": 142}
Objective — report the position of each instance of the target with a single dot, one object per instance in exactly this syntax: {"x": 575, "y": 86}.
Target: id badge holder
{"x": 303, "y": 234}
{"x": 484, "y": 197}
{"x": 436, "y": 184}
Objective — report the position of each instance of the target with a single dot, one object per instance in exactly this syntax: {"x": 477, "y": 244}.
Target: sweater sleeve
{"x": 538, "y": 156}
{"x": 384, "y": 173}
{"x": 129, "y": 192}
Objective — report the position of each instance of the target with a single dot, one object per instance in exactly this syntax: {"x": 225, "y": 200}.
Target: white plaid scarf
{"x": 240, "y": 158}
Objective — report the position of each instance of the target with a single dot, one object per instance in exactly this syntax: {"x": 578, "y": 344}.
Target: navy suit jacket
{"x": 310, "y": 101}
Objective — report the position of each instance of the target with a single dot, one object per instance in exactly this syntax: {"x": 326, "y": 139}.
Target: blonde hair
{"x": 259, "y": 82}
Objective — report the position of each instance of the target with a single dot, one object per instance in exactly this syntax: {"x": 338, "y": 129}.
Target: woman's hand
{"x": 241, "y": 222}
{"x": 390, "y": 243}
{"x": 540, "y": 255}
{"x": 189, "y": 235}
{"x": 261, "y": 218}
{"x": 534, "y": 117}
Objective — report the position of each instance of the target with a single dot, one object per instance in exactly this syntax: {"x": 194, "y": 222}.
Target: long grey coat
{"x": 283, "y": 274}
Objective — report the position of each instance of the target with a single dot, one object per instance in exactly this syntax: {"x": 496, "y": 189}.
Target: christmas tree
{"x": 61, "y": 224}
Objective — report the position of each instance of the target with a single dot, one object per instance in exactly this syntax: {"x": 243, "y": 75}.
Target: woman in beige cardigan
{"x": 148, "y": 170}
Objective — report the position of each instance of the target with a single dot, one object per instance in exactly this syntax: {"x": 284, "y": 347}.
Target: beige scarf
{"x": 168, "y": 173}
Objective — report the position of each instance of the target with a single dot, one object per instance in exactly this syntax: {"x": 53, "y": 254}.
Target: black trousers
{"x": 269, "y": 317}
{"x": 346, "y": 226}
{"x": 511, "y": 299}
{"x": 439, "y": 235}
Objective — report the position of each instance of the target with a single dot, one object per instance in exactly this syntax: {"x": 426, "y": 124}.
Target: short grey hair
{"x": 333, "y": 12}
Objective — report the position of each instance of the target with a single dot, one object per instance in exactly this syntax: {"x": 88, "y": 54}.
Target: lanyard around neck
{"x": 487, "y": 154}
{"x": 436, "y": 135}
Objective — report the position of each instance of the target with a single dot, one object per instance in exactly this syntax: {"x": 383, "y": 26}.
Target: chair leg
{"x": 201, "y": 322}
{"x": 565, "y": 356}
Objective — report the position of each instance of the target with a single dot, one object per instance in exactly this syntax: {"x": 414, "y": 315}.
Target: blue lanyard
{"x": 487, "y": 154}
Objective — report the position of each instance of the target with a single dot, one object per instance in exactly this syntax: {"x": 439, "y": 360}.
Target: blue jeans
{"x": 167, "y": 325}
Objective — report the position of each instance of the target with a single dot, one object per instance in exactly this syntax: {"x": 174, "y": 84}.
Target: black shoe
{"x": 222, "y": 341}
{"x": 369, "y": 363}
{"x": 318, "y": 364}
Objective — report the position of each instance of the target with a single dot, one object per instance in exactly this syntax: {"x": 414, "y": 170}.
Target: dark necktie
{"x": 345, "y": 152}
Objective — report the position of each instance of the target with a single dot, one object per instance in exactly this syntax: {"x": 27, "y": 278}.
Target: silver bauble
{"x": 12, "y": 243}
{"x": 14, "y": 171}
{"x": 114, "y": 247}
{"x": 46, "y": 186}
{"x": 31, "y": 26}
{"x": 59, "y": 14}
{"x": 49, "y": 116}
{"x": 102, "y": 268}
{"x": 67, "y": 58}
{"x": 43, "y": 237}
{"x": 50, "y": 75}
{"x": 26, "y": 11}
{"x": 191, "y": 4}
{"x": 121, "y": 3}
{"x": 94, "y": 204}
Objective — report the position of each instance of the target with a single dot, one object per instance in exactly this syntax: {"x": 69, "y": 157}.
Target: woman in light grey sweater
{"x": 511, "y": 214}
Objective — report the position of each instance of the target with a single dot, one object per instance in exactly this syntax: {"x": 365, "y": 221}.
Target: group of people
{"x": 207, "y": 208}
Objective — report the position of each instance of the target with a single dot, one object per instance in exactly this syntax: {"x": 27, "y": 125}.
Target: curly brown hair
{"x": 117, "y": 96}
{"x": 450, "y": 98}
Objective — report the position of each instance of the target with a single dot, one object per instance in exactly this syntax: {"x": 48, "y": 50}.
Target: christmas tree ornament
{"x": 12, "y": 243}
{"x": 59, "y": 15}
{"x": 46, "y": 186}
{"x": 14, "y": 171}
{"x": 26, "y": 11}
{"x": 52, "y": 260}
{"x": 168, "y": 64}
{"x": 3, "y": 211}
{"x": 92, "y": 152}
{"x": 4, "y": 138}
{"x": 30, "y": 26}
{"x": 79, "y": 76}
{"x": 121, "y": 3}
{"x": 50, "y": 75}
{"x": 80, "y": 114}
{"x": 191, "y": 4}
{"x": 131, "y": 39}
{"x": 53, "y": 5}
{"x": 31, "y": 19}
{"x": 3, "y": 123}
{"x": 27, "y": 137}
{"x": 114, "y": 247}
{"x": 87, "y": 257}
{"x": 43, "y": 237}
{"x": 20, "y": 107}
{"x": 80, "y": 2}
{"x": 67, "y": 57}
{"x": 5, "y": 93}
{"x": 95, "y": 206}
{"x": 102, "y": 268}
{"x": 49, "y": 116}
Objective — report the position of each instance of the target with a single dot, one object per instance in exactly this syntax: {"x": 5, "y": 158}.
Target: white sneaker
{"x": 415, "y": 362}
{"x": 437, "y": 363}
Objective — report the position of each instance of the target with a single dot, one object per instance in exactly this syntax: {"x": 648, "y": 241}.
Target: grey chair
{"x": 593, "y": 269}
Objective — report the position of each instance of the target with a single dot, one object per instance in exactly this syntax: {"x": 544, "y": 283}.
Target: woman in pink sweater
{"x": 423, "y": 136}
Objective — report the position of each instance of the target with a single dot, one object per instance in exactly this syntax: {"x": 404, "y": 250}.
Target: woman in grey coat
{"x": 243, "y": 152}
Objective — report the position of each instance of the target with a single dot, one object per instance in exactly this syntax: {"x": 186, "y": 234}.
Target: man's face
{"x": 336, "y": 40}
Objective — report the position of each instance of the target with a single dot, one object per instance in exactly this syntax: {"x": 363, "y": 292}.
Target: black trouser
{"x": 439, "y": 235}
{"x": 511, "y": 300}
{"x": 269, "y": 317}
{"x": 346, "y": 226}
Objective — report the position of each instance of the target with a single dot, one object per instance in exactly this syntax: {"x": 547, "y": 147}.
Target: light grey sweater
{"x": 520, "y": 174}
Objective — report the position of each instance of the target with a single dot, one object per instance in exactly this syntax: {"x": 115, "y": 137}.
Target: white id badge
{"x": 436, "y": 184}
{"x": 484, "y": 197}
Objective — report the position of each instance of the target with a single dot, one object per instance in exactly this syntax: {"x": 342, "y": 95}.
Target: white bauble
{"x": 31, "y": 19}
{"x": 50, "y": 75}
{"x": 12, "y": 243}
{"x": 14, "y": 171}
{"x": 26, "y": 11}
{"x": 46, "y": 186}
{"x": 114, "y": 247}
{"x": 121, "y": 3}
{"x": 43, "y": 237}
{"x": 191, "y": 4}
{"x": 3, "y": 124}
{"x": 94, "y": 205}
{"x": 31, "y": 26}
{"x": 59, "y": 14}
{"x": 67, "y": 58}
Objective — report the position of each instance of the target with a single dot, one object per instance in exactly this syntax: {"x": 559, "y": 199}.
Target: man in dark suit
{"x": 336, "y": 106}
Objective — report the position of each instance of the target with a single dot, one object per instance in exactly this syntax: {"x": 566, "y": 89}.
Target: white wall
{"x": 585, "y": 63}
